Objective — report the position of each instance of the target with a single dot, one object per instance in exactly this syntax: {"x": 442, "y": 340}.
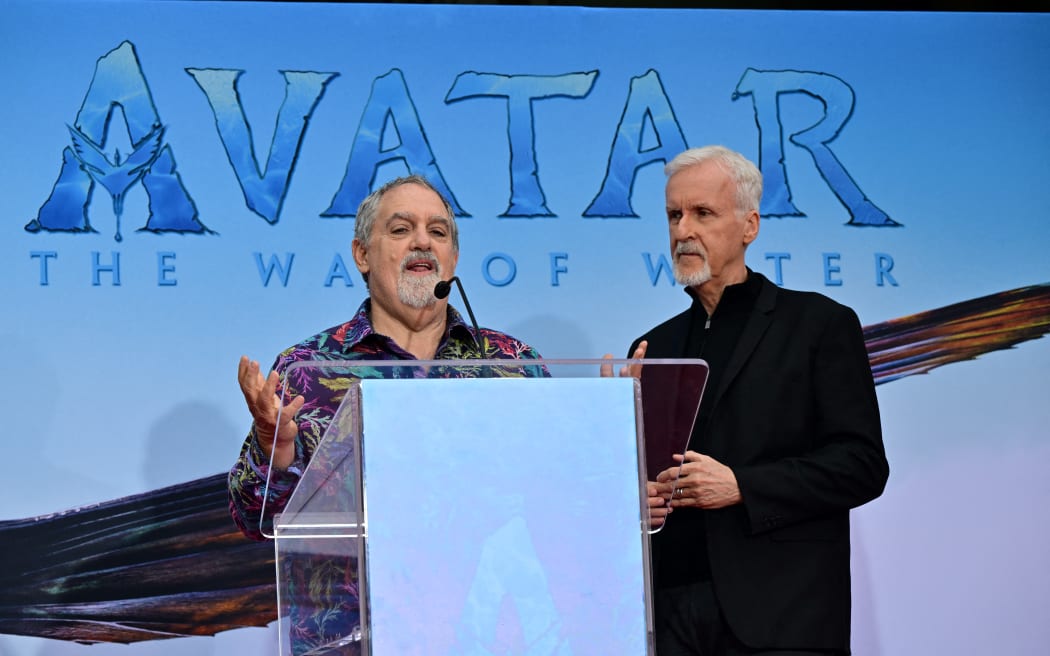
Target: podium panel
{"x": 478, "y": 507}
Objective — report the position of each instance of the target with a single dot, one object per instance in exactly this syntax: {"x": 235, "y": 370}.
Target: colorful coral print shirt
{"x": 353, "y": 340}
{"x": 331, "y": 609}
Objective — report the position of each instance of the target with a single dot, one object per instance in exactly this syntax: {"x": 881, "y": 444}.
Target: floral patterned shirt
{"x": 331, "y": 609}
{"x": 353, "y": 340}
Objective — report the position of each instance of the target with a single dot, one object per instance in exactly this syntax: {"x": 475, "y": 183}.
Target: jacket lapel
{"x": 755, "y": 327}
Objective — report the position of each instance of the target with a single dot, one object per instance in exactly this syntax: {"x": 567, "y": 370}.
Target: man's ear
{"x": 359, "y": 251}
{"x": 751, "y": 225}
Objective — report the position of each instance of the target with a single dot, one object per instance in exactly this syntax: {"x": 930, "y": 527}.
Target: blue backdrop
{"x": 905, "y": 160}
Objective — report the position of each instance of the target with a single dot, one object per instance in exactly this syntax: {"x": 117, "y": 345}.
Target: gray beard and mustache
{"x": 414, "y": 291}
{"x": 696, "y": 278}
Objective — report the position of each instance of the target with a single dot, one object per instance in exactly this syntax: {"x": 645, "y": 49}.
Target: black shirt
{"x": 680, "y": 549}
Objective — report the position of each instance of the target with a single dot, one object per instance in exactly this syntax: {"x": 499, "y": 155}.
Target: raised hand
{"x": 260, "y": 393}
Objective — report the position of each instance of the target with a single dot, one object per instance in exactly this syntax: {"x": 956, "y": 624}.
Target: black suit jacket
{"x": 796, "y": 417}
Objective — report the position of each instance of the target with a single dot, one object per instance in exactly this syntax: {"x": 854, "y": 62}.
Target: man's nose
{"x": 683, "y": 230}
{"x": 421, "y": 239}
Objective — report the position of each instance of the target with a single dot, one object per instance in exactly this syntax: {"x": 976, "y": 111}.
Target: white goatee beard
{"x": 696, "y": 278}
{"x": 414, "y": 291}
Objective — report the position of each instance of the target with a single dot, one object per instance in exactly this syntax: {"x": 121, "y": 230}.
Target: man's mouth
{"x": 420, "y": 266}
{"x": 421, "y": 263}
{"x": 688, "y": 253}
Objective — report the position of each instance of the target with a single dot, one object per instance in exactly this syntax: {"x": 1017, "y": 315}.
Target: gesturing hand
{"x": 260, "y": 393}
{"x": 634, "y": 370}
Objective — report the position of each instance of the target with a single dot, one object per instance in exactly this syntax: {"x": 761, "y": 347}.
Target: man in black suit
{"x": 755, "y": 555}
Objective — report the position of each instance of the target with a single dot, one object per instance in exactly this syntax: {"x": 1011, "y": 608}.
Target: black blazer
{"x": 796, "y": 417}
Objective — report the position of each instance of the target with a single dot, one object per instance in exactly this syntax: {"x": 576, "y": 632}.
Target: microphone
{"x": 442, "y": 290}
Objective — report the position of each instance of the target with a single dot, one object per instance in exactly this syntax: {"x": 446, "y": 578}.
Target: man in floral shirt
{"x": 405, "y": 242}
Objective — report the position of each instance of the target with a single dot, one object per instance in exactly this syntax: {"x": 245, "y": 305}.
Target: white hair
{"x": 745, "y": 176}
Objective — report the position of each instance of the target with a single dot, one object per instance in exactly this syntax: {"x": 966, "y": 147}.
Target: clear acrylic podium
{"x": 476, "y": 507}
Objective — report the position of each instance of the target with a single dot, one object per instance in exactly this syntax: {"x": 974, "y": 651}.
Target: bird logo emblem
{"x": 118, "y": 174}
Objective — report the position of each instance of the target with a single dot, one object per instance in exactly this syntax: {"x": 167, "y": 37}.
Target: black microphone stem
{"x": 470, "y": 312}
{"x": 442, "y": 289}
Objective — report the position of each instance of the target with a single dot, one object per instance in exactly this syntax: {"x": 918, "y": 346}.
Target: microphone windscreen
{"x": 442, "y": 289}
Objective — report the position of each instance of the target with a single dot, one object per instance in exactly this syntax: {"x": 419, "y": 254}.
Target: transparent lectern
{"x": 476, "y": 507}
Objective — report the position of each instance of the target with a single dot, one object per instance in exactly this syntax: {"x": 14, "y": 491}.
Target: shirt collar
{"x": 360, "y": 327}
{"x": 746, "y": 292}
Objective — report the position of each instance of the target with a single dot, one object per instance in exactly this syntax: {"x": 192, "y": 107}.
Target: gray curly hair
{"x": 366, "y": 211}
